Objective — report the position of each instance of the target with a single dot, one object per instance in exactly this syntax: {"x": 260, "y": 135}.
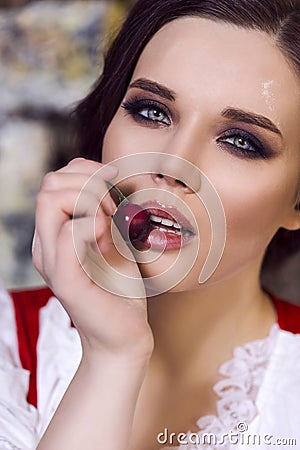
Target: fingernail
{"x": 110, "y": 171}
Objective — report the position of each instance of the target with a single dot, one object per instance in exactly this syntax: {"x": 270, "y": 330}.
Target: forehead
{"x": 219, "y": 64}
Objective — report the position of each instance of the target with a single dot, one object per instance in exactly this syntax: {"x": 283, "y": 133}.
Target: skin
{"x": 205, "y": 83}
{"x": 188, "y": 324}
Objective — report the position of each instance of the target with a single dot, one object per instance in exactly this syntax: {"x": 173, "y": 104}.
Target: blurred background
{"x": 50, "y": 55}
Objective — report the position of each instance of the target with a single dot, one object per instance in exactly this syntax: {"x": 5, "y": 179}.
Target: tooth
{"x": 167, "y": 230}
{"x": 167, "y": 222}
{"x": 176, "y": 225}
{"x": 155, "y": 219}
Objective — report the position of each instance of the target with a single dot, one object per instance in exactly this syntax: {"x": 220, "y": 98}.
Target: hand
{"x": 106, "y": 322}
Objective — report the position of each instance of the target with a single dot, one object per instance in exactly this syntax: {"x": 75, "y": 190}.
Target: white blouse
{"x": 259, "y": 393}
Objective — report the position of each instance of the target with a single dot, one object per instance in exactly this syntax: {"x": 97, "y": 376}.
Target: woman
{"x": 215, "y": 87}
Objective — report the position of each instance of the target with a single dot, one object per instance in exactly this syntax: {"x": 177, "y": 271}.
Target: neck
{"x": 193, "y": 326}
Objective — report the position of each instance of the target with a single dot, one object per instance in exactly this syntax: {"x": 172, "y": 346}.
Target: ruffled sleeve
{"x": 18, "y": 419}
{"x": 278, "y": 400}
{"x": 58, "y": 353}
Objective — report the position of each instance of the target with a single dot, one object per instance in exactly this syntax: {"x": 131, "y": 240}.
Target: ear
{"x": 292, "y": 221}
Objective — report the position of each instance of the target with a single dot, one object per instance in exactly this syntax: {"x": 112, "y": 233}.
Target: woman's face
{"x": 227, "y": 101}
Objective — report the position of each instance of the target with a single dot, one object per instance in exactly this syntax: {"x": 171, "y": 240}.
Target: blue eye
{"x": 244, "y": 144}
{"x": 155, "y": 114}
{"x": 147, "y": 111}
{"x": 240, "y": 142}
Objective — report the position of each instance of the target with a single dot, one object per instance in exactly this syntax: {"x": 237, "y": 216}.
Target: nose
{"x": 167, "y": 181}
{"x": 174, "y": 172}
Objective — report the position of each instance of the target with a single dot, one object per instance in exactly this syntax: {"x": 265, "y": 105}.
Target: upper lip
{"x": 168, "y": 212}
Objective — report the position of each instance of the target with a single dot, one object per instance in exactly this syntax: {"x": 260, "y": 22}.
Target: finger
{"x": 37, "y": 256}
{"x": 74, "y": 242}
{"x": 59, "y": 181}
{"x": 75, "y": 235}
{"x": 77, "y": 242}
{"x": 54, "y": 209}
{"x": 89, "y": 167}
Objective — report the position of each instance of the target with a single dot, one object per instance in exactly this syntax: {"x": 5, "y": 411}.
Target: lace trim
{"x": 7, "y": 445}
{"x": 237, "y": 392}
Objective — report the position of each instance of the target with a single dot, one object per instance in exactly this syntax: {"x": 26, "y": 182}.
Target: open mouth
{"x": 169, "y": 228}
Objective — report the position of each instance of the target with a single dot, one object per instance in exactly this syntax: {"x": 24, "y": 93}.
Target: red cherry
{"x": 132, "y": 221}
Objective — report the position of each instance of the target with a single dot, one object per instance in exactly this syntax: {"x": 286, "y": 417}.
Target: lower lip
{"x": 159, "y": 240}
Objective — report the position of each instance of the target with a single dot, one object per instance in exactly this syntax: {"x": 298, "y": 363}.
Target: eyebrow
{"x": 228, "y": 113}
{"x": 248, "y": 117}
{"x": 154, "y": 88}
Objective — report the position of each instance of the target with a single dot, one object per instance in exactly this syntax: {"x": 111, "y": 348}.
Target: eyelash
{"x": 259, "y": 151}
{"x": 135, "y": 106}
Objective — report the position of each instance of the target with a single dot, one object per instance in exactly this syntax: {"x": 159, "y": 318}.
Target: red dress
{"x": 27, "y": 305}
{"x": 40, "y": 352}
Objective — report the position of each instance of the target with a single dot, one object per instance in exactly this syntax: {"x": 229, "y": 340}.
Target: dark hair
{"x": 278, "y": 18}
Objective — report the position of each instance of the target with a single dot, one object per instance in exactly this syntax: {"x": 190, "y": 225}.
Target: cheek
{"x": 121, "y": 139}
{"x": 254, "y": 211}
{"x": 113, "y": 142}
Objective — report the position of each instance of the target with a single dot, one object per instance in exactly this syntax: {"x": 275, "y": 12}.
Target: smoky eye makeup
{"x": 147, "y": 111}
{"x": 235, "y": 140}
{"x": 244, "y": 144}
